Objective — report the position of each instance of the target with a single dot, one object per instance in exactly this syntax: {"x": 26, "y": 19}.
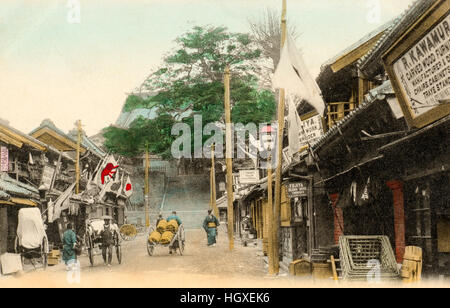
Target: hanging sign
{"x": 4, "y": 164}
{"x": 298, "y": 189}
{"x": 418, "y": 66}
{"x": 47, "y": 176}
{"x": 248, "y": 176}
{"x": 312, "y": 129}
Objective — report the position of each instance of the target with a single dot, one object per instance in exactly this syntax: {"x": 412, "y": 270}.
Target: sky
{"x": 53, "y": 68}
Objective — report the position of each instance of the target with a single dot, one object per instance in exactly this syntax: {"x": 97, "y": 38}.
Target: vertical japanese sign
{"x": 4, "y": 160}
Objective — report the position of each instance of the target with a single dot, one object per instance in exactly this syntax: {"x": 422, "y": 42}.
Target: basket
{"x": 172, "y": 226}
{"x": 162, "y": 225}
{"x": 360, "y": 254}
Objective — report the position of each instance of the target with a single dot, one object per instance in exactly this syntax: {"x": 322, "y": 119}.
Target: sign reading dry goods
{"x": 419, "y": 68}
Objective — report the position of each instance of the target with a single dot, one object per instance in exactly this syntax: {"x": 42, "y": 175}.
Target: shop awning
{"x": 23, "y": 201}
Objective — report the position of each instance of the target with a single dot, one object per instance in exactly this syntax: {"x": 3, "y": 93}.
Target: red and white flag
{"x": 128, "y": 189}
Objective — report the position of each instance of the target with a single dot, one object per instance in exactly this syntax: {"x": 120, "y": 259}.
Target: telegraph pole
{"x": 281, "y": 106}
{"x": 147, "y": 187}
{"x": 270, "y": 225}
{"x": 229, "y": 155}
{"x": 77, "y": 165}
{"x": 213, "y": 183}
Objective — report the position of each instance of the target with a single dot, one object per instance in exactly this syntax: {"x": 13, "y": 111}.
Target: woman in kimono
{"x": 210, "y": 225}
{"x": 69, "y": 241}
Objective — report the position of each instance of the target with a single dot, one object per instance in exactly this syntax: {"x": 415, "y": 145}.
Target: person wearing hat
{"x": 210, "y": 225}
{"x": 107, "y": 236}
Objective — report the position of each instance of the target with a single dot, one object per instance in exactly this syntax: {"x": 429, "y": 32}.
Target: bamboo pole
{"x": 213, "y": 183}
{"x": 229, "y": 155}
{"x": 77, "y": 165}
{"x": 147, "y": 187}
{"x": 270, "y": 249}
{"x": 281, "y": 107}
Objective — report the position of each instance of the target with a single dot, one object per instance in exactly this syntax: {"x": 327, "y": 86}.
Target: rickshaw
{"x": 177, "y": 243}
{"x": 31, "y": 240}
{"x": 92, "y": 238}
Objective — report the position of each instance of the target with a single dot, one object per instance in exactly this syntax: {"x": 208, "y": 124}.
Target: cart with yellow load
{"x": 166, "y": 234}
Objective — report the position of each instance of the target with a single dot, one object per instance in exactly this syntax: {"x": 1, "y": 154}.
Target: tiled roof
{"x": 42, "y": 144}
{"x": 360, "y": 42}
{"x": 13, "y": 187}
{"x": 86, "y": 142}
{"x": 400, "y": 25}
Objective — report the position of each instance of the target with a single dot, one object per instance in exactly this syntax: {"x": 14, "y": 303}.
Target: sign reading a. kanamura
{"x": 424, "y": 71}
{"x": 418, "y": 65}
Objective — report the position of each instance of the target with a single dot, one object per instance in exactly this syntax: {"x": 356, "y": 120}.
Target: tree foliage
{"x": 190, "y": 82}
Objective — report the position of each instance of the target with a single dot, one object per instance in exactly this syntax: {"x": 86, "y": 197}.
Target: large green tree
{"x": 190, "y": 82}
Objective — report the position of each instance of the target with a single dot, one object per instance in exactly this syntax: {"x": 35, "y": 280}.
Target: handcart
{"x": 93, "y": 239}
{"x": 31, "y": 241}
{"x": 177, "y": 243}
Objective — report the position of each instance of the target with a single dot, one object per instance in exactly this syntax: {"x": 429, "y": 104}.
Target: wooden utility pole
{"x": 229, "y": 155}
{"x": 147, "y": 187}
{"x": 213, "y": 183}
{"x": 77, "y": 165}
{"x": 281, "y": 104}
{"x": 271, "y": 223}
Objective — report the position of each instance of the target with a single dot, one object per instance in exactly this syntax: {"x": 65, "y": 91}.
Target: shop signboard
{"x": 249, "y": 176}
{"x": 418, "y": 65}
{"x": 47, "y": 176}
{"x": 298, "y": 189}
{"x": 4, "y": 165}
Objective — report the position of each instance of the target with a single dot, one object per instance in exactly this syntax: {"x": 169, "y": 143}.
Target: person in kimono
{"x": 69, "y": 242}
{"x": 210, "y": 225}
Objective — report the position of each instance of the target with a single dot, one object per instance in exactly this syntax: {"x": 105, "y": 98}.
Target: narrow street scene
{"x": 211, "y": 144}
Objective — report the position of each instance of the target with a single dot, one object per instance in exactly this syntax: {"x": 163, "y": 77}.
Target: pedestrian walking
{"x": 210, "y": 225}
{"x": 69, "y": 242}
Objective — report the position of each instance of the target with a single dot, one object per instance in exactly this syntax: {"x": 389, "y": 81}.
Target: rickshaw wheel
{"x": 150, "y": 248}
{"x": 44, "y": 255}
{"x": 181, "y": 247}
{"x": 90, "y": 248}
{"x": 119, "y": 253}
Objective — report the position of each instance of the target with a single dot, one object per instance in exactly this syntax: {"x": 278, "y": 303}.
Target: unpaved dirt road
{"x": 199, "y": 266}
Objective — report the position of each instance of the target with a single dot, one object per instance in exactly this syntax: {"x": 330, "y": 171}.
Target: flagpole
{"x": 281, "y": 107}
{"x": 229, "y": 154}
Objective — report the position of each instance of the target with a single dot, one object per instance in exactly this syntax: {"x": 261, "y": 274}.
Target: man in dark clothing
{"x": 107, "y": 236}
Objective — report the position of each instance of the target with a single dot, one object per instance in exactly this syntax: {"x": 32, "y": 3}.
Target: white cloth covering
{"x": 30, "y": 229}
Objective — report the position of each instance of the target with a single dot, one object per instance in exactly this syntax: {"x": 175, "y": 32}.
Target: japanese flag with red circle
{"x": 128, "y": 189}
